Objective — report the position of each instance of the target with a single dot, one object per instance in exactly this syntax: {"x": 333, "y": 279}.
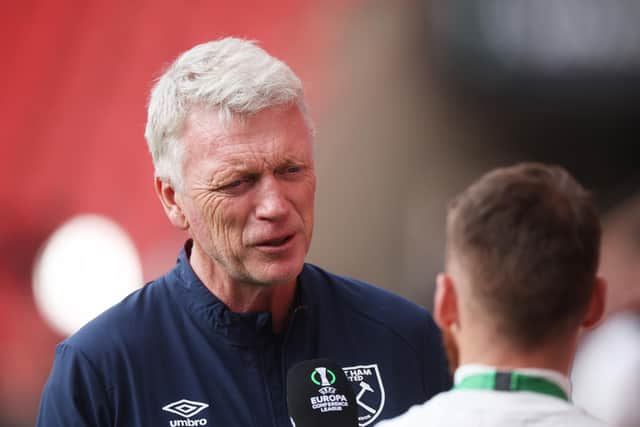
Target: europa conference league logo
{"x": 328, "y": 400}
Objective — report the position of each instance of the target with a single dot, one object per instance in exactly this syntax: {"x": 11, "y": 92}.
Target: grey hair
{"x": 232, "y": 76}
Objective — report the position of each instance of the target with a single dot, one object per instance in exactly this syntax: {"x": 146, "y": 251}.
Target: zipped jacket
{"x": 172, "y": 354}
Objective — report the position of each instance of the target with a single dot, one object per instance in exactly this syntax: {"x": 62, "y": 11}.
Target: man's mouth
{"x": 276, "y": 242}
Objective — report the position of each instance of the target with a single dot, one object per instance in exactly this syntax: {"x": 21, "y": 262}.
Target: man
{"x": 210, "y": 343}
{"x": 520, "y": 282}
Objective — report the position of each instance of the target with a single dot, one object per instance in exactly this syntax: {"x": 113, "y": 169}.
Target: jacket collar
{"x": 244, "y": 329}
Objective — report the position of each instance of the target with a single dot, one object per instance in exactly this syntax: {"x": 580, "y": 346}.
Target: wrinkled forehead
{"x": 273, "y": 130}
{"x": 206, "y": 119}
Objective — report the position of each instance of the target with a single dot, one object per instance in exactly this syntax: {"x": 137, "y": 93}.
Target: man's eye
{"x": 236, "y": 183}
{"x": 289, "y": 170}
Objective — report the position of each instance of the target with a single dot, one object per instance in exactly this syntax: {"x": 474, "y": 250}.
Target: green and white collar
{"x": 483, "y": 377}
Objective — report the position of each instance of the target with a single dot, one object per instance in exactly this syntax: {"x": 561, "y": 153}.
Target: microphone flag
{"x": 319, "y": 394}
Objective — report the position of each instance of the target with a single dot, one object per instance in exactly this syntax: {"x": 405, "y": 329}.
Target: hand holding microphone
{"x": 319, "y": 394}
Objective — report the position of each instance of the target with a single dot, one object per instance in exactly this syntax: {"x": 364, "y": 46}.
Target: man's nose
{"x": 272, "y": 203}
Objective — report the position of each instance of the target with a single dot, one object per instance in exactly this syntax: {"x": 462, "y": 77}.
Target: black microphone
{"x": 319, "y": 395}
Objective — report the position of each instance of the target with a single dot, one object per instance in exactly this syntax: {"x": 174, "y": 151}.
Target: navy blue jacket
{"x": 172, "y": 354}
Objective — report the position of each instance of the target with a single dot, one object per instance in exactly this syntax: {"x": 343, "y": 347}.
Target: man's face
{"x": 248, "y": 194}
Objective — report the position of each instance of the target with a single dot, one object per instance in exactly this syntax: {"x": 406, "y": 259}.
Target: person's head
{"x": 232, "y": 148}
{"x": 522, "y": 256}
{"x": 620, "y": 264}
{"x": 232, "y": 76}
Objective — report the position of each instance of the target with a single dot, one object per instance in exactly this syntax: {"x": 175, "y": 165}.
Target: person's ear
{"x": 171, "y": 203}
{"x": 445, "y": 302}
{"x": 595, "y": 311}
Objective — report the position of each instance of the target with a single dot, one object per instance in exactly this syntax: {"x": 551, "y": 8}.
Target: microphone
{"x": 319, "y": 395}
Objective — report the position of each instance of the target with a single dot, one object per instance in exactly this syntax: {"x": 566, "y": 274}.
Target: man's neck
{"x": 507, "y": 356}
{"x": 242, "y": 297}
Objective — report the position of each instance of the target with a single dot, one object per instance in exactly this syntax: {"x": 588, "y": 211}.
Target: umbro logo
{"x": 186, "y": 409}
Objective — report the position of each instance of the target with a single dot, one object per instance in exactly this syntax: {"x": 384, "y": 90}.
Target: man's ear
{"x": 171, "y": 203}
{"x": 596, "y": 307}
{"x": 445, "y": 302}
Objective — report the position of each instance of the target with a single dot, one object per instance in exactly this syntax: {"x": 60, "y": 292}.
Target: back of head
{"x": 527, "y": 239}
{"x": 232, "y": 76}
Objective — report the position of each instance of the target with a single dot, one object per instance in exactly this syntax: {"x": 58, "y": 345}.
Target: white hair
{"x": 231, "y": 76}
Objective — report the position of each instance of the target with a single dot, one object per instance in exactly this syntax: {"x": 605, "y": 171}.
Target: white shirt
{"x": 492, "y": 408}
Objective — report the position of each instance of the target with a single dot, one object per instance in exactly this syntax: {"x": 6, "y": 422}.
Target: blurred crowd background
{"x": 412, "y": 101}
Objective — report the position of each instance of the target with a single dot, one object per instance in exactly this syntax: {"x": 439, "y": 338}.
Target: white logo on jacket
{"x": 369, "y": 391}
{"x": 186, "y": 409}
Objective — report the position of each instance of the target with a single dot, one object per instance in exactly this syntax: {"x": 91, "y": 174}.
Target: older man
{"x": 520, "y": 282}
{"x": 210, "y": 342}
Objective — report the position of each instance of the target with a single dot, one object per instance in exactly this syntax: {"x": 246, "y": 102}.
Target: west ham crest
{"x": 369, "y": 390}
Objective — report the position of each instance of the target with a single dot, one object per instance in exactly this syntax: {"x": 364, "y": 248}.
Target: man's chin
{"x": 276, "y": 274}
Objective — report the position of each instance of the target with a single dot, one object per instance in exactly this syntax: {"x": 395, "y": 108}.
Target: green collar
{"x": 511, "y": 381}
